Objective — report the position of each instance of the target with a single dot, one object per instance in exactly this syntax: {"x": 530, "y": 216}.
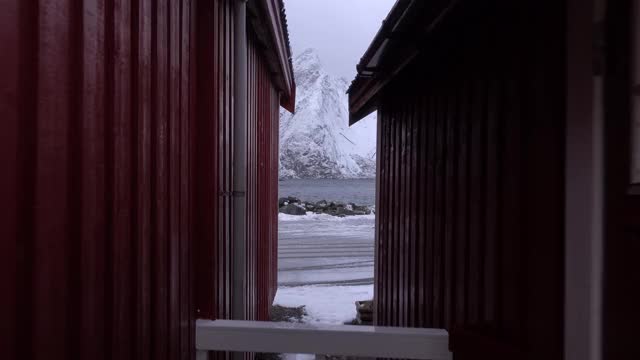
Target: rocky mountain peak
{"x": 308, "y": 68}
{"x": 308, "y": 58}
{"x": 316, "y": 141}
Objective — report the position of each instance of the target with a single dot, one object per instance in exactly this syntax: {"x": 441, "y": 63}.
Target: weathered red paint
{"x": 262, "y": 183}
{"x": 214, "y": 159}
{"x": 471, "y": 185}
{"x": 117, "y": 119}
{"x": 100, "y": 103}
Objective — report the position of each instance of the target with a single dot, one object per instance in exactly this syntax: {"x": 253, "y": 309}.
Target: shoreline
{"x": 291, "y": 205}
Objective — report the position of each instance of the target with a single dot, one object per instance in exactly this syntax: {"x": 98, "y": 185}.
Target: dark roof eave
{"x": 272, "y": 23}
{"x": 364, "y": 112}
{"x": 395, "y": 14}
{"x": 288, "y": 102}
{"x": 390, "y": 52}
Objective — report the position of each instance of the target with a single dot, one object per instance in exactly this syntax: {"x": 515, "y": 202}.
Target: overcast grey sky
{"x": 341, "y": 30}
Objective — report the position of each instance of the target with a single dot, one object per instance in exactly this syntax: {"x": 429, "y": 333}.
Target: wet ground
{"x": 325, "y": 250}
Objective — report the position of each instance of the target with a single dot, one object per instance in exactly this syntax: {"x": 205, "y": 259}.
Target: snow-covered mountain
{"x": 316, "y": 141}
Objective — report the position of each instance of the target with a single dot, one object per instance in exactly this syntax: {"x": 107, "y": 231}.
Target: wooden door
{"x": 621, "y": 296}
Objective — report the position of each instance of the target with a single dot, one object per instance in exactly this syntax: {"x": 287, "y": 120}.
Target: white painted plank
{"x": 365, "y": 341}
{"x": 202, "y": 355}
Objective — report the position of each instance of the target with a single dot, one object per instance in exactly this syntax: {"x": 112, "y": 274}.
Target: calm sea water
{"x": 358, "y": 191}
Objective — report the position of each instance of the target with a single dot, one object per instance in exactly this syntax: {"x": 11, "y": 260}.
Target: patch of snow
{"x": 325, "y": 304}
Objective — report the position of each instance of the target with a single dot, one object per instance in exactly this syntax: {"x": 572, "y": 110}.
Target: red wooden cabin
{"x": 120, "y": 217}
{"x": 508, "y": 209}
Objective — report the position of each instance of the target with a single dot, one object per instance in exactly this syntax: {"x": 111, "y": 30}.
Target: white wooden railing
{"x": 346, "y": 340}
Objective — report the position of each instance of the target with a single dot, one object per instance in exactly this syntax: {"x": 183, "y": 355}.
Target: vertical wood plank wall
{"x": 96, "y": 99}
{"x": 116, "y": 144}
{"x": 214, "y": 169}
{"x": 622, "y": 193}
{"x": 262, "y": 182}
{"x": 213, "y": 158}
{"x": 470, "y": 203}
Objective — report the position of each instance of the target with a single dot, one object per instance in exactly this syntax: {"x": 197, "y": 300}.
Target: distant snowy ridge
{"x": 316, "y": 141}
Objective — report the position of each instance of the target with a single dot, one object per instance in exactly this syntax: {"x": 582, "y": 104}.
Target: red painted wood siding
{"x": 214, "y": 169}
{"x": 471, "y": 187}
{"x": 262, "y": 184}
{"x": 116, "y": 143}
{"x": 213, "y": 158}
{"x": 96, "y": 98}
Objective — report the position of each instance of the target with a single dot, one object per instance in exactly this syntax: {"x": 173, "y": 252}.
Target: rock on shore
{"x": 294, "y": 206}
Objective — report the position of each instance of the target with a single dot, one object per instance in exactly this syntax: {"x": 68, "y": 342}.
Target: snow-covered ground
{"x": 325, "y": 263}
{"x": 325, "y": 304}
